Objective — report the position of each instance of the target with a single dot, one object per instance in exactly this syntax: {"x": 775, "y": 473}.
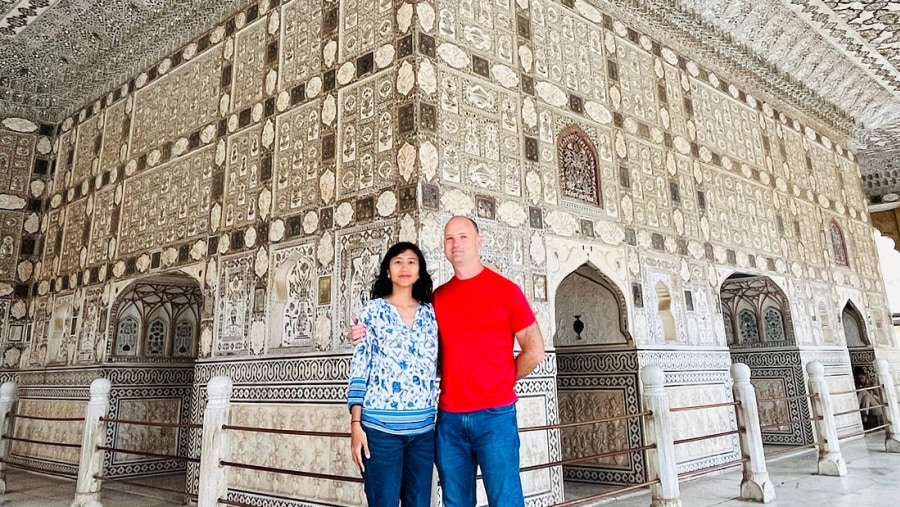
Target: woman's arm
{"x": 360, "y": 366}
{"x": 359, "y": 444}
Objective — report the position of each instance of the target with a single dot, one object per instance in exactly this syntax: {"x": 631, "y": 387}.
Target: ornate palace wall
{"x": 26, "y": 165}
{"x": 275, "y": 157}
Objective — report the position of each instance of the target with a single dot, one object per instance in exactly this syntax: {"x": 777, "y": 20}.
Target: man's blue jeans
{"x": 400, "y": 469}
{"x": 487, "y": 438}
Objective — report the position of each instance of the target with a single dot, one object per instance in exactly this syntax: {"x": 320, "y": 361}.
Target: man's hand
{"x": 357, "y": 332}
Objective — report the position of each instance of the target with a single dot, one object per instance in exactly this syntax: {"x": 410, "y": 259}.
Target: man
{"x": 478, "y": 313}
{"x": 869, "y": 401}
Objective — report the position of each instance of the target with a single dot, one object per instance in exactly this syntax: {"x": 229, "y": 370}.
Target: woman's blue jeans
{"x": 487, "y": 438}
{"x": 400, "y": 469}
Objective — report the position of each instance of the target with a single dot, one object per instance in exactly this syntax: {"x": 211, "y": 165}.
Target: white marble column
{"x": 8, "y": 394}
{"x": 660, "y": 461}
{"x": 214, "y": 477}
{"x": 755, "y": 485}
{"x": 87, "y": 490}
{"x": 831, "y": 462}
{"x": 891, "y": 411}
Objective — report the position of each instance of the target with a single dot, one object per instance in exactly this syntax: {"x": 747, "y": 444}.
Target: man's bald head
{"x": 463, "y": 219}
{"x": 462, "y": 246}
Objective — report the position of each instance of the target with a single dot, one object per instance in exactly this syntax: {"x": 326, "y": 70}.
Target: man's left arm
{"x": 532, "y": 343}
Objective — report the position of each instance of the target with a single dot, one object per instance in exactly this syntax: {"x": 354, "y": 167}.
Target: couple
{"x": 396, "y": 436}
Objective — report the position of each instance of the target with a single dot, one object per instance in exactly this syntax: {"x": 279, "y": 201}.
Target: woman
{"x": 393, "y": 389}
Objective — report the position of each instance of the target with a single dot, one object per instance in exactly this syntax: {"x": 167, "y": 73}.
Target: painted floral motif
{"x": 392, "y": 374}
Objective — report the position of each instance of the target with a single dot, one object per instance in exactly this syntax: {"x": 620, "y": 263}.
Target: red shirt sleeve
{"x": 520, "y": 313}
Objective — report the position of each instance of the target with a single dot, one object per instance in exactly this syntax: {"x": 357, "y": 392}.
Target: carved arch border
{"x": 114, "y": 309}
{"x": 784, "y": 307}
{"x": 607, "y": 283}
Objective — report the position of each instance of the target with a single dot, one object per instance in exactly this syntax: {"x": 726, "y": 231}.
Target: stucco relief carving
{"x": 535, "y": 446}
{"x": 48, "y": 431}
{"x": 596, "y": 438}
{"x": 847, "y": 423}
{"x": 297, "y": 289}
{"x": 310, "y": 454}
{"x": 565, "y": 256}
{"x": 167, "y": 204}
{"x": 145, "y": 438}
{"x": 772, "y": 413}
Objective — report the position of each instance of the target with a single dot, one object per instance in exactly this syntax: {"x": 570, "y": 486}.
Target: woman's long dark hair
{"x": 422, "y": 289}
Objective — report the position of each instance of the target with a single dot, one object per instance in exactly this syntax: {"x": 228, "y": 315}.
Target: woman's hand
{"x": 359, "y": 444}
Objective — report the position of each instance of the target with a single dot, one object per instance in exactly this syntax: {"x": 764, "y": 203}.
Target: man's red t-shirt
{"x": 477, "y": 320}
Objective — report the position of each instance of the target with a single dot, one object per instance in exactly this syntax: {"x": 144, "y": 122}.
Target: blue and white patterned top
{"x": 393, "y": 371}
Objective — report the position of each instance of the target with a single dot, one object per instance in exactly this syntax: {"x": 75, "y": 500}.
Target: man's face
{"x": 461, "y": 242}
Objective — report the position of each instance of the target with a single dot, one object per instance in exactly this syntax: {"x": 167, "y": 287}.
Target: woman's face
{"x": 403, "y": 269}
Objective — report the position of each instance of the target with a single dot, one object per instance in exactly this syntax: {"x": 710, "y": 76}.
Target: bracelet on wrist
{"x": 355, "y": 421}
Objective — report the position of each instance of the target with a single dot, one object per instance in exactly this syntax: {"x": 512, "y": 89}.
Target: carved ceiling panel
{"x": 58, "y": 55}
{"x": 835, "y": 59}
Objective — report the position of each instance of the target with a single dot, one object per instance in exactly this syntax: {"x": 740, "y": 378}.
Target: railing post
{"x": 891, "y": 410}
{"x": 661, "y": 460}
{"x": 831, "y": 462}
{"x": 90, "y": 466}
{"x": 8, "y": 394}
{"x": 755, "y": 485}
{"x": 214, "y": 477}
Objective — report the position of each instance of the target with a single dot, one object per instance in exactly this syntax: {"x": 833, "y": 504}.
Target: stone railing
{"x": 660, "y": 443}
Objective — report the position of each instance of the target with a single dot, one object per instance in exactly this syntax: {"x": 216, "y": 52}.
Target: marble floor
{"x": 33, "y": 490}
{"x": 873, "y": 480}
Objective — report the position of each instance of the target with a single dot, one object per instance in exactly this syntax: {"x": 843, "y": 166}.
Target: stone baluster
{"x": 90, "y": 466}
{"x": 891, "y": 411}
{"x": 8, "y": 394}
{"x": 831, "y": 462}
{"x": 661, "y": 460}
{"x": 755, "y": 485}
{"x": 214, "y": 477}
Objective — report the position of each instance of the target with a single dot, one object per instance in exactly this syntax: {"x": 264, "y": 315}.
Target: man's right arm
{"x": 532, "y": 343}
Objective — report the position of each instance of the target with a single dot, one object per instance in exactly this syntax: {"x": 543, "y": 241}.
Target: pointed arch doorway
{"x": 760, "y": 333}
{"x": 862, "y": 355}
{"x": 597, "y": 379}
{"x": 153, "y": 330}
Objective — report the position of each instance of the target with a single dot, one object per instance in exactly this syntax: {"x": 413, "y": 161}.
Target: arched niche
{"x": 862, "y": 354}
{"x": 854, "y": 327}
{"x": 760, "y": 334}
{"x": 664, "y": 310}
{"x": 590, "y": 310}
{"x": 597, "y": 377}
{"x": 145, "y": 318}
{"x": 756, "y": 312}
{"x": 153, "y": 335}
{"x": 838, "y": 244}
